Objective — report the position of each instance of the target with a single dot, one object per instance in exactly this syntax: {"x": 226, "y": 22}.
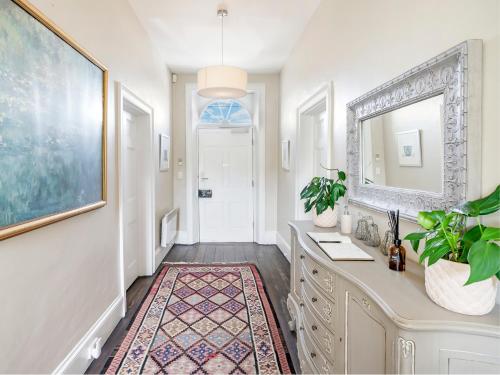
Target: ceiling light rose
{"x": 222, "y": 81}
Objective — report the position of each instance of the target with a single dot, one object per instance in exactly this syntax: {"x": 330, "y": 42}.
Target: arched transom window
{"x": 225, "y": 112}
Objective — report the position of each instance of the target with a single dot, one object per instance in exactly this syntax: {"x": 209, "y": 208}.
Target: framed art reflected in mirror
{"x": 53, "y": 102}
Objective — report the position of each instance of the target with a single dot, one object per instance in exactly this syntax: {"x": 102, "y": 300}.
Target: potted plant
{"x": 322, "y": 193}
{"x": 462, "y": 264}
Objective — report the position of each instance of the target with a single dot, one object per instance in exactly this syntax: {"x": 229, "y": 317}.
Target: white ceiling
{"x": 258, "y": 34}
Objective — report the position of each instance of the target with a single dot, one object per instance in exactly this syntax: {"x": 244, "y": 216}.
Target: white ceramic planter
{"x": 327, "y": 219}
{"x": 444, "y": 283}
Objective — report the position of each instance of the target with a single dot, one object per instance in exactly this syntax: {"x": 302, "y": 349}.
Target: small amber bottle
{"x": 397, "y": 256}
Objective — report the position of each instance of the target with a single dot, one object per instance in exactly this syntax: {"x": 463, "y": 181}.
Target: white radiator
{"x": 169, "y": 229}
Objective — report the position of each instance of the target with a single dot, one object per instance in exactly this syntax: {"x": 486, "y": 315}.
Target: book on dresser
{"x": 338, "y": 247}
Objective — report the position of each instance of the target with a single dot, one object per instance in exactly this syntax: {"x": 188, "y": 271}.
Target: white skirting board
{"x": 78, "y": 359}
{"x": 284, "y": 247}
{"x": 182, "y": 238}
{"x": 160, "y": 254}
{"x": 268, "y": 238}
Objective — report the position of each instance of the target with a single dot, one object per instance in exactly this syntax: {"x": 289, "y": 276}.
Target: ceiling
{"x": 258, "y": 34}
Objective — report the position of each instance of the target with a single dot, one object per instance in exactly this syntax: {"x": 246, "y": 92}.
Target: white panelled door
{"x": 131, "y": 209}
{"x": 225, "y": 170}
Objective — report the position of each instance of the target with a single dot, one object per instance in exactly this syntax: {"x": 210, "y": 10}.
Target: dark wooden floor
{"x": 273, "y": 266}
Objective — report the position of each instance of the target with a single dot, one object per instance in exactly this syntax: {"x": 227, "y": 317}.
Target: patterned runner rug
{"x": 204, "y": 319}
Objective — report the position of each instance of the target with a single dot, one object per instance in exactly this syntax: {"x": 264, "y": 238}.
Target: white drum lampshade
{"x": 222, "y": 82}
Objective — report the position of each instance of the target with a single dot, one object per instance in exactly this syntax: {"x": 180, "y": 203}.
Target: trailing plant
{"x": 323, "y": 192}
{"x": 448, "y": 237}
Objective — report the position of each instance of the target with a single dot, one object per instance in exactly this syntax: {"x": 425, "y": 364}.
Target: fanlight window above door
{"x": 225, "y": 112}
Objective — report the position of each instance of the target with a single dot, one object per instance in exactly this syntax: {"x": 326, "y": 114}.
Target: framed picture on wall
{"x": 285, "y": 155}
{"x": 164, "y": 152}
{"x": 409, "y": 151}
{"x": 52, "y": 123}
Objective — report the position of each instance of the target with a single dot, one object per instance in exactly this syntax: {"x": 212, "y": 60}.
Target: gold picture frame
{"x": 29, "y": 225}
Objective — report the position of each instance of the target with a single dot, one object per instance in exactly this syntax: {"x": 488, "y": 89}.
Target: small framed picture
{"x": 164, "y": 152}
{"x": 409, "y": 151}
{"x": 285, "y": 154}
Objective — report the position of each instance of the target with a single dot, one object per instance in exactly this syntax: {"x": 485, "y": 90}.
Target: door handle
{"x": 203, "y": 178}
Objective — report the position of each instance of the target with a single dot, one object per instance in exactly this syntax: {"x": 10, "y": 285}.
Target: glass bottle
{"x": 387, "y": 242}
{"x": 397, "y": 256}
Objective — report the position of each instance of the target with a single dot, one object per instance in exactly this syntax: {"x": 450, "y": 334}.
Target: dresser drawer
{"x": 321, "y": 275}
{"x": 321, "y": 335}
{"x": 323, "y": 307}
{"x": 315, "y": 355}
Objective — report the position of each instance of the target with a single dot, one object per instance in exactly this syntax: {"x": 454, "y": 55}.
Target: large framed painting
{"x": 53, "y": 98}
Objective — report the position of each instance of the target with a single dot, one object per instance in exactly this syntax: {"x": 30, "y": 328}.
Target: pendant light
{"x": 222, "y": 81}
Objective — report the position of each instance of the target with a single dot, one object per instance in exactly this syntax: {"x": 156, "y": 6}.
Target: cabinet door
{"x": 368, "y": 335}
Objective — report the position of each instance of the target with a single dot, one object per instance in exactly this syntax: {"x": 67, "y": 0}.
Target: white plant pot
{"x": 327, "y": 219}
{"x": 444, "y": 283}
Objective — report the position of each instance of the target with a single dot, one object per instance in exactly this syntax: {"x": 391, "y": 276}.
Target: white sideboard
{"x": 360, "y": 317}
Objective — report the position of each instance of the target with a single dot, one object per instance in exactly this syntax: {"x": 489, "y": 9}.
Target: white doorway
{"x": 254, "y": 102}
{"x": 313, "y": 144}
{"x": 136, "y": 187}
{"x": 225, "y": 185}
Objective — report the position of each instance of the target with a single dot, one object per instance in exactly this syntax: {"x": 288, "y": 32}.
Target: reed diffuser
{"x": 397, "y": 252}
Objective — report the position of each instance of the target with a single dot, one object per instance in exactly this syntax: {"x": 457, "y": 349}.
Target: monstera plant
{"x": 473, "y": 249}
{"x": 322, "y": 194}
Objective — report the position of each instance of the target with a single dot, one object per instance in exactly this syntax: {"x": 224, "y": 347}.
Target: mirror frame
{"x": 456, "y": 73}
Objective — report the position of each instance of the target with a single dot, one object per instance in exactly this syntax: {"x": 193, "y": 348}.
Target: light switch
{"x": 180, "y": 175}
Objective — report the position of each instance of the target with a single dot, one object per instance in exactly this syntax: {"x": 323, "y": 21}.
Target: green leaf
{"x": 471, "y": 236}
{"x": 484, "y": 260}
{"x": 438, "y": 253}
{"x": 438, "y": 215}
{"x": 483, "y": 206}
{"x": 433, "y": 245}
{"x": 307, "y": 205}
{"x": 426, "y": 220}
{"x": 415, "y": 238}
{"x": 321, "y": 207}
{"x": 342, "y": 175}
{"x": 491, "y": 234}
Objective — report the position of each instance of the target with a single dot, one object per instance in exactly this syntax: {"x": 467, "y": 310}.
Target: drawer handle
{"x": 302, "y": 256}
{"x": 314, "y": 299}
{"x": 315, "y": 272}
{"x": 313, "y": 355}
{"x": 301, "y": 280}
{"x": 314, "y": 328}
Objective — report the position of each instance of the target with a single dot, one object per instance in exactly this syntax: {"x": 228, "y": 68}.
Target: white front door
{"x": 225, "y": 176}
{"x": 131, "y": 209}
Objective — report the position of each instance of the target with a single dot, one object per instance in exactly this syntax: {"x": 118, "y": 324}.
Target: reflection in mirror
{"x": 404, "y": 148}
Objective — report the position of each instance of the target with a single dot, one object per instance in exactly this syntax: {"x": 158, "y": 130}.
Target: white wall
{"x": 272, "y": 87}
{"x": 55, "y": 282}
{"x": 361, "y": 44}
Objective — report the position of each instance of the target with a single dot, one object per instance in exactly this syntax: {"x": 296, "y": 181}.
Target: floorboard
{"x": 272, "y": 265}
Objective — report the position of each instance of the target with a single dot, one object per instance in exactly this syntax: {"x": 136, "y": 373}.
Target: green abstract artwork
{"x": 51, "y": 121}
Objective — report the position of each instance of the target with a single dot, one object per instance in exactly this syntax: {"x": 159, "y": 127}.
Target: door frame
{"x": 324, "y": 93}
{"x": 192, "y": 234}
{"x": 127, "y": 99}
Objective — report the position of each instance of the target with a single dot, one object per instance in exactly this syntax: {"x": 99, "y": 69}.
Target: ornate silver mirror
{"x": 413, "y": 143}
